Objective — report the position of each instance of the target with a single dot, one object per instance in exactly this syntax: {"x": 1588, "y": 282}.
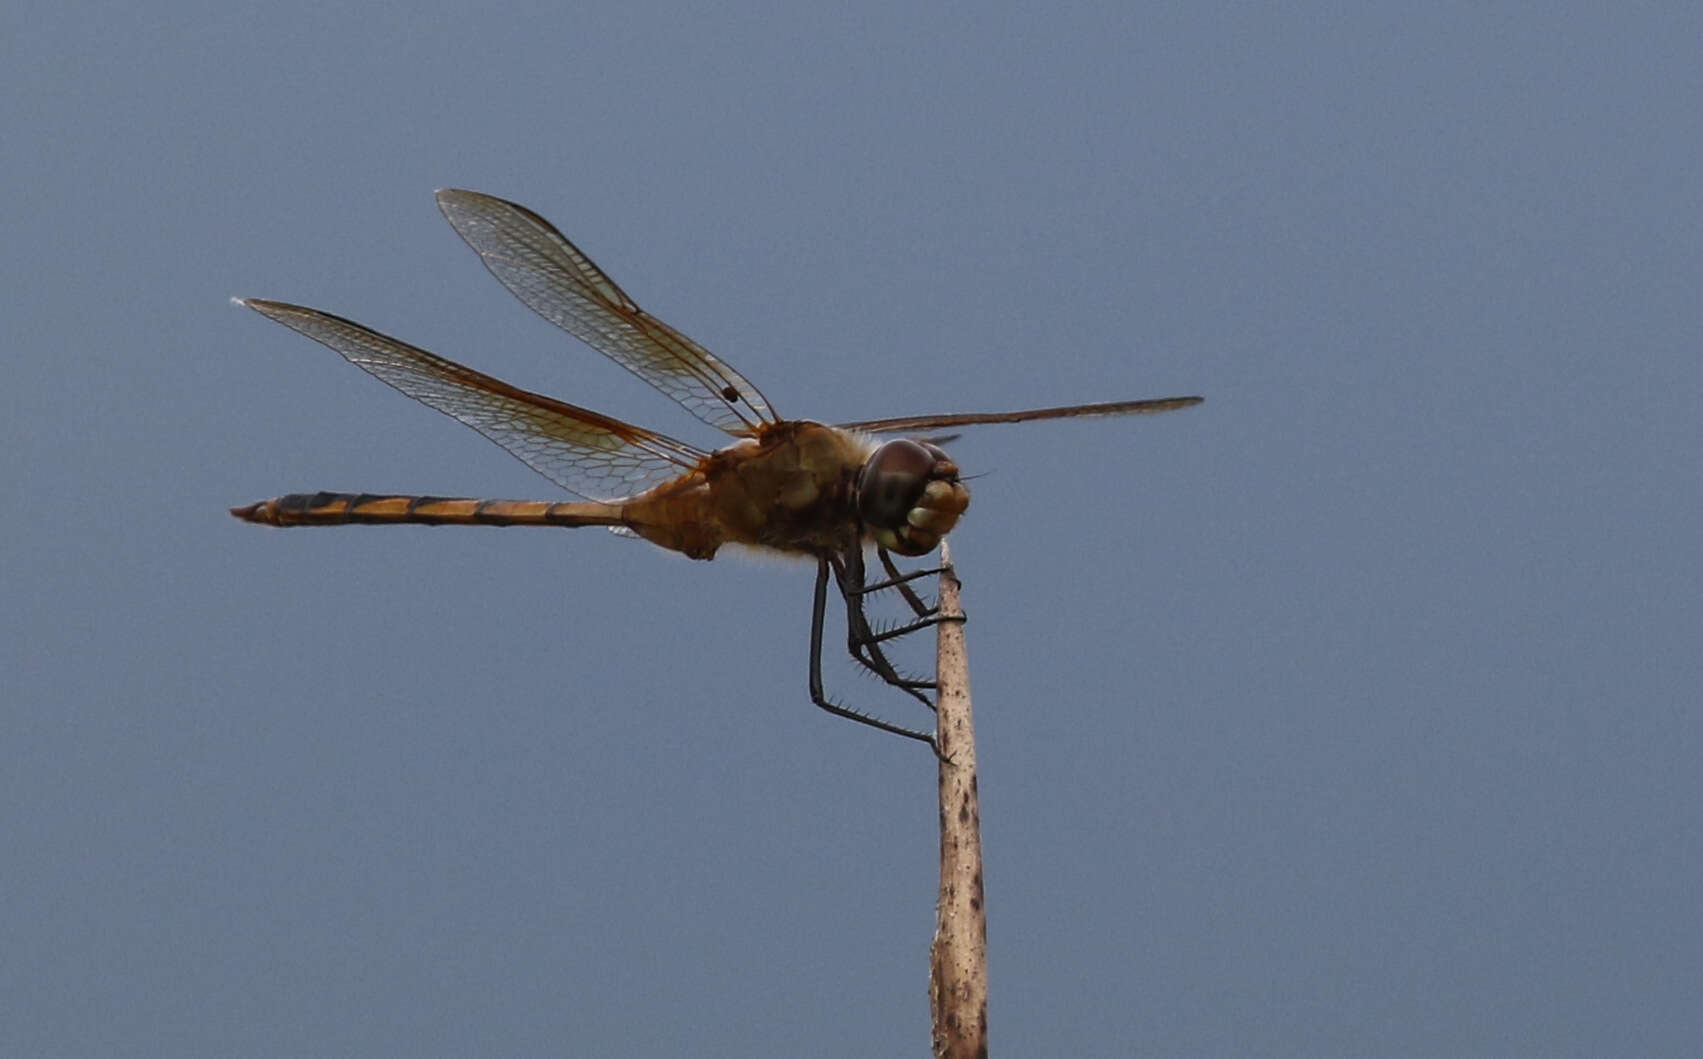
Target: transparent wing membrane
{"x": 540, "y": 267}
{"x": 966, "y": 419}
{"x": 586, "y": 453}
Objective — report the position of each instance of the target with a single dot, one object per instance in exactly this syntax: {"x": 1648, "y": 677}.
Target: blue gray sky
{"x": 1352, "y": 713}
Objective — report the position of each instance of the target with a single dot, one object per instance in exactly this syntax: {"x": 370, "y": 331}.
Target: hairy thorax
{"x": 791, "y": 489}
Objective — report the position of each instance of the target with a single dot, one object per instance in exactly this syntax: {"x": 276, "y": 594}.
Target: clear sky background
{"x": 1352, "y": 713}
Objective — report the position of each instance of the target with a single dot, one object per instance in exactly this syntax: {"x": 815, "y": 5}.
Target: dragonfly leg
{"x": 863, "y": 642}
{"x": 818, "y": 696}
{"x": 900, "y": 581}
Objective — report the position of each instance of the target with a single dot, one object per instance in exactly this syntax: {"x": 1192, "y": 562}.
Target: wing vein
{"x": 587, "y": 453}
{"x": 555, "y": 279}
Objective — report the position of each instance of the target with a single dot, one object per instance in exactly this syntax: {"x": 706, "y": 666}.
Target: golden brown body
{"x": 791, "y": 486}
{"x": 792, "y": 489}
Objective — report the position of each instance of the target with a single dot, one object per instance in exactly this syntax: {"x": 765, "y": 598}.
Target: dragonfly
{"x": 831, "y": 493}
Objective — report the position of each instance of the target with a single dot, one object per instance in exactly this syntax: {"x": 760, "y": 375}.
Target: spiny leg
{"x": 901, "y": 580}
{"x": 817, "y": 616}
{"x": 862, "y": 641}
{"x": 895, "y": 579}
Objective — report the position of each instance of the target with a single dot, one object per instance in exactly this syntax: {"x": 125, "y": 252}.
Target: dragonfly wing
{"x": 588, "y": 454}
{"x": 965, "y": 419}
{"x": 557, "y": 281}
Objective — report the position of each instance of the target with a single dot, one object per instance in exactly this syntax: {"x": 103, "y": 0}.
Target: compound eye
{"x": 892, "y": 481}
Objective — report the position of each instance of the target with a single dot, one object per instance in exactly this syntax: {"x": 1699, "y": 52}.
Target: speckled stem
{"x": 958, "y": 974}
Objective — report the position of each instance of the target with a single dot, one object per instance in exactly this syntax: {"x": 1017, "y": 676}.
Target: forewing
{"x": 558, "y": 282}
{"x": 585, "y": 453}
{"x": 965, "y": 419}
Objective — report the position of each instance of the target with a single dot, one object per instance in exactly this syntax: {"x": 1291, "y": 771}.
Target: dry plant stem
{"x": 958, "y": 971}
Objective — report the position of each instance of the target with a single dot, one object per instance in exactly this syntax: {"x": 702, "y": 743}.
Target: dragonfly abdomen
{"x": 338, "y": 509}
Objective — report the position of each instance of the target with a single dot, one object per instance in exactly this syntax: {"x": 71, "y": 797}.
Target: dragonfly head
{"x": 909, "y": 495}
